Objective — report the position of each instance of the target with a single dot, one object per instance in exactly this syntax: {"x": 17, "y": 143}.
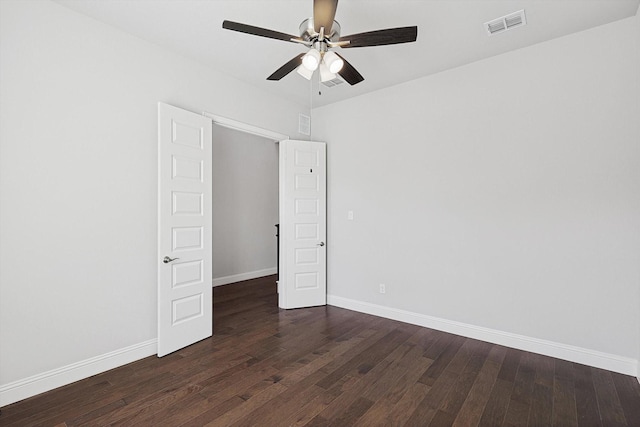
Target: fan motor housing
{"x": 308, "y": 32}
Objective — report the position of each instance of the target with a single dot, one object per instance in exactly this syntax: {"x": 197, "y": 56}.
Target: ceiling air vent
{"x": 507, "y": 22}
{"x": 333, "y": 82}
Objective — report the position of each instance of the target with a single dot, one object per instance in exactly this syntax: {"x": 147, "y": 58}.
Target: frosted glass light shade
{"x": 333, "y": 61}
{"x": 325, "y": 73}
{"x": 304, "y": 72}
{"x": 311, "y": 60}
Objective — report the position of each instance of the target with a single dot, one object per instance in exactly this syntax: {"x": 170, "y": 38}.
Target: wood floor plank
{"x": 609, "y": 406}
{"x": 441, "y": 362}
{"x": 496, "y": 408}
{"x": 349, "y": 416}
{"x": 564, "y": 399}
{"x": 510, "y": 365}
{"x": 284, "y": 404}
{"x": 521, "y": 395}
{"x": 90, "y": 416}
{"x": 367, "y": 358}
{"x": 545, "y": 370}
{"x": 474, "y": 405}
{"x": 326, "y": 356}
{"x": 442, "y": 419}
{"x": 327, "y": 366}
{"x": 368, "y": 384}
{"x": 462, "y": 356}
{"x": 394, "y": 366}
{"x": 250, "y": 403}
{"x": 465, "y": 381}
{"x": 428, "y": 407}
{"x": 541, "y": 408}
{"x": 407, "y": 404}
{"x": 436, "y": 344}
{"x": 379, "y": 413}
{"x": 145, "y": 412}
{"x": 178, "y": 414}
{"x": 310, "y": 410}
{"x": 586, "y": 400}
{"x": 628, "y": 390}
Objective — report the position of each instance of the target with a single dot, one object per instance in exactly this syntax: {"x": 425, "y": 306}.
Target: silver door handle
{"x": 321, "y": 244}
{"x": 167, "y": 260}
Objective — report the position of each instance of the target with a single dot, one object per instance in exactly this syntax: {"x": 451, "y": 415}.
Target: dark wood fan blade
{"x": 350, "y": 74}
{"x": 382, "y": 37}
{"x": 324, "y": 12}
{"x": 257, "y": 31}
{"x": 286, "y": 68}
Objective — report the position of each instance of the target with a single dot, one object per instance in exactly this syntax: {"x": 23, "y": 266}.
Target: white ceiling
{"x": 450, "y": 34}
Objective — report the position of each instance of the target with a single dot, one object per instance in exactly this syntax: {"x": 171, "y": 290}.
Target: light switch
{"x": 350, "y": 215}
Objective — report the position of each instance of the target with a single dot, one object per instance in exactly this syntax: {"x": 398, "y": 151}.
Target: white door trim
{"x": 245, "y": 127}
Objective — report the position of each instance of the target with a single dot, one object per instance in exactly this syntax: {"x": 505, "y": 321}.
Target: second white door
{"x": 303, "y": 229}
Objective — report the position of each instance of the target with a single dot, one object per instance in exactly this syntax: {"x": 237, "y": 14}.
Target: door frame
{"x": 237, "y": 125}
{"x": 245, "y": 127}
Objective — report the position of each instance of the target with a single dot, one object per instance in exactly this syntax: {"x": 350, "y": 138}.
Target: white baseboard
{"x": 219, "y": 281}
{"x": 597, "y": 359}
{"x": 27, "y": 387}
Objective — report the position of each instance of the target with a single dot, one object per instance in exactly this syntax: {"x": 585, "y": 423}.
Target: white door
{"x": 303, "y": 249}
{"x": 185, "y": 312}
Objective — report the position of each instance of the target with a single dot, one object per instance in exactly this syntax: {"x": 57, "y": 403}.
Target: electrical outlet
{"x": 350, "y": 215}
{"x": 382, "y": 288}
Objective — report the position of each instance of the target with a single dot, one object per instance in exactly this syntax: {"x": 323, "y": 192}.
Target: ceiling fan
{"x": 321, "y": 34}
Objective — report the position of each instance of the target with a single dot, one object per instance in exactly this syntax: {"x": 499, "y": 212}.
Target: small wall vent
{"x": 304, "y": 124}
{"x": 507, "y": 22}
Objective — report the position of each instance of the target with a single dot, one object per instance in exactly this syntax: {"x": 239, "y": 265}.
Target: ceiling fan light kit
{"x": 325, "y": 73}
{"x": 305, "y": 72}
{"x": 311, "y": 59}
{"x": 333, "y": 61}
{"x": 321, "y": 33}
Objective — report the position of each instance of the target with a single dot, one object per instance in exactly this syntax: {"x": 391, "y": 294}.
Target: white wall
{"x": 78, "y": 106}
{"x": 502, "y": 196}
{"x": 245, "y": 205}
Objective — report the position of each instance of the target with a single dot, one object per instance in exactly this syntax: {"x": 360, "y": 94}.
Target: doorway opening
{"x": 185, "y": 222}
{"x": 245, "y": 205}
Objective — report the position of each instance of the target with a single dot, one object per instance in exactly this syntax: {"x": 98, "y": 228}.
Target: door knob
{"x": 167, "y": 260}
{"x": 321, "y": 244}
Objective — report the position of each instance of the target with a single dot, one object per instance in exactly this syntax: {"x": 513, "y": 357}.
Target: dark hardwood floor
{"x": 329, "y": 366}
